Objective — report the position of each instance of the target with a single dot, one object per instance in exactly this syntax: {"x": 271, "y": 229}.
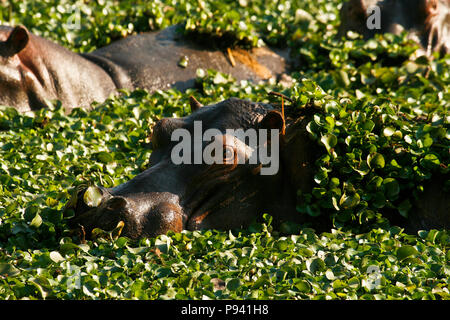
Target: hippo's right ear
{"x": 273, "y": 120}
{"x": 18, "y": 39}
{"x": 357, "y": 10}
{"x": 430, "y": 7}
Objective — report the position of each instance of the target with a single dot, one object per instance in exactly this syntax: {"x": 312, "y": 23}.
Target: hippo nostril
{"x": 163, "y": 217}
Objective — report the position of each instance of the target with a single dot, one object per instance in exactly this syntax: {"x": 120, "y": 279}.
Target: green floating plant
{"x": 383, "y": 131}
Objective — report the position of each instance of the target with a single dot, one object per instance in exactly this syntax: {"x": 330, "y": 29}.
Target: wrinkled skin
{"x": 426, "y": 21}
{"x": 176, "y": 197}
{"x": 33, "y": 69}
{"x": 189, "y": 196}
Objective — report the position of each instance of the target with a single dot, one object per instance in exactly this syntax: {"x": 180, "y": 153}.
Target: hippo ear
{"x": 195, "y": 105}
{"x": 273, "y": 120}
{"x": 430, "y": 7}
{"x": 357, "y": 9}
{"x": 18, "y": 39}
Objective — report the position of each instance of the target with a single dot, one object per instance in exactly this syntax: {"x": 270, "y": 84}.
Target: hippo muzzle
{"x": 149, "y": 215}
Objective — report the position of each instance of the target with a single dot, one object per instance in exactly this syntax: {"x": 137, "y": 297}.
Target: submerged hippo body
{"x": 33, "y": 69}
{"x": 174, "y": 197}
{"x": 154, "y": 63}
{"x": 426, "y": 21}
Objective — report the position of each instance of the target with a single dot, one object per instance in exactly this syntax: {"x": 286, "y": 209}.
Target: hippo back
{"x": 152, "y": 60}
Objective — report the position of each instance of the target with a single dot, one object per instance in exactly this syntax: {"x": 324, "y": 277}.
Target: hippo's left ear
{"x": 273, "y": 120}
{"x": 18, "y": 39}
{"x": 195, "y": 105}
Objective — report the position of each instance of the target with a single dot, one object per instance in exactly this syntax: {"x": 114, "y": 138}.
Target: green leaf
{"x": 379, "y": 200}
{"x": 67, "y": 248}
{"x": 121, "y": 242}
{"x": 163, "y": 243}
{"x": 430, "y": 161}
{"x": 43, "y": 286}
{"x": 37, "y": 221}
{"x": 56, "y": 256}
{"x": 200, "y": 73}
{"x": 233, "y": 284}
{"x": 359, "y": 94}
{"x": 330, "y": 275}
{"x": 338, "y": 284}
{"x": 388, "y": 131}
{"x": 329, "y": 140}
{"x": 349, "y": 201}
{"x": 315, "y": 265}
{"x": 392, "y": 188}
{"x": 406, "y": 252}
{"x": 305, "y": 252}
{"x": 8, "y": 270}
{"x": 375, "y": 183}
{"x": 219, "y": 79}
{"x": 375, "y": 160}
{"x": 282, "y": 245}
{"x": 183, "y": 62}
{"x": 368, "y": 125}
{"x": 319, "y": 192}
{"x": 105, "y": 157}
{"x": 261, "y": 281}
{"x": 302, "y": 285}
{"x": 354, "y": 283}
{"x": 93, "y": 197}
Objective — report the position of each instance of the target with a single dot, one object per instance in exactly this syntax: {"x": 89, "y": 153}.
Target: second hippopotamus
{"x": 33, "y": 69}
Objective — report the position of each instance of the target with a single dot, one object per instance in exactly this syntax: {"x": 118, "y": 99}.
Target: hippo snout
{"x": 163, "y": 217}
{"x": 97, "y": 207}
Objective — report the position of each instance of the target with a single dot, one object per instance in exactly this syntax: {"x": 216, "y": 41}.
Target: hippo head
{"x": 426, "y": 21}
{"x": 220, "y": 181}
{"x": 34, "y": 71}
{"x": 22, "y": 80}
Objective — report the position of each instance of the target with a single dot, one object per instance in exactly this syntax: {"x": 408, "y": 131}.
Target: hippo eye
{"x": 228, "y": 154}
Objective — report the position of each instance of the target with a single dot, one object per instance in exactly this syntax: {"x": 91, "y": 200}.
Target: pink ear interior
{"x": 18, "y": 39}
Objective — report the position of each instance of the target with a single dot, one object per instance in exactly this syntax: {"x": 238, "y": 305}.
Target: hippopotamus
{"x": 33, "y": 69}
{"x": 426, "y": 21}
{"x": 233, "y": 194}
{"x": 174, "y": 196}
